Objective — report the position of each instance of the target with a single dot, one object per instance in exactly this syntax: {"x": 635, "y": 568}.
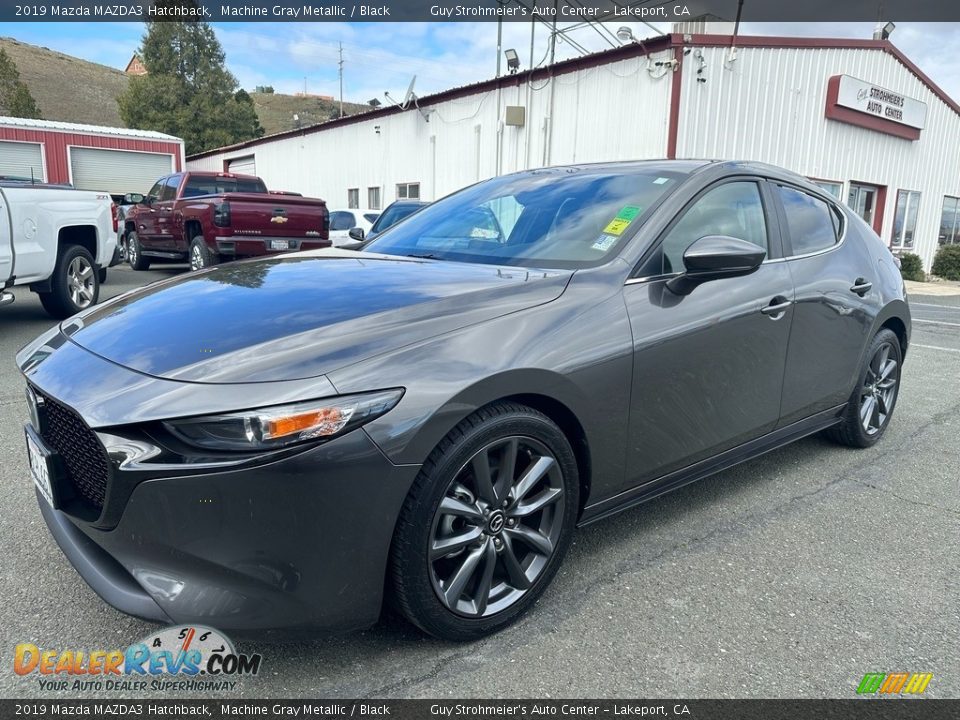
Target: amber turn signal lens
{"x": 278, "y": 427}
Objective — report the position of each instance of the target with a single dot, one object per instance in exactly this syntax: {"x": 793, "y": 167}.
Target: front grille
{"x": 82, "y": 453}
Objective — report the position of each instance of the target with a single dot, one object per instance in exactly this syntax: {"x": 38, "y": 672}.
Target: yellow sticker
{"x": 617, "y": 226}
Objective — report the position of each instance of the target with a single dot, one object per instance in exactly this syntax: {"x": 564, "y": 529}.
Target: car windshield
{"x": 551, "y": 218}
{"x": 199, "y": 185}
{"x": 394, "y": 214}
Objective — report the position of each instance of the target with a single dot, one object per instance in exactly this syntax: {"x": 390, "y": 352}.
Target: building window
{"x": 905, "y": 218}
{"x": 950, "y": 221}
{"x": 373, "y": 198}
{"x": 408, "y": 191}
{"x": 835, "y": 189}
{"x": 353, "y": 198}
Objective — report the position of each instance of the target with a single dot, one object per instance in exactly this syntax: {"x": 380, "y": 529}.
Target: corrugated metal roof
{"x": 58, "y": 126}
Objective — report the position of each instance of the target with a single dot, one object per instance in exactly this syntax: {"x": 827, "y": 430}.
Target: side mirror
{"x": 713, "y": 257}
{"x": 356, "y": 233}
{"x": 133, "y": 198}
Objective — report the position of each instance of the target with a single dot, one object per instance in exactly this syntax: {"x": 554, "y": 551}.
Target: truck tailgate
{"x": 277, "y": 215}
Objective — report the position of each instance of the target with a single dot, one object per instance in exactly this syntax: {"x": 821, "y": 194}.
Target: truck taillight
{"x": 221, "y": 214}
{"x": 115, "y": 216}
{"x": 326, "y": 221}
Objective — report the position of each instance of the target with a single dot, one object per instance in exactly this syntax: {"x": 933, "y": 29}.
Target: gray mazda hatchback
{"x": 278, "y": 445}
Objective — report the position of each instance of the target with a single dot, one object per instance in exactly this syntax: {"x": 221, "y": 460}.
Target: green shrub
{"x": 946, "y": 264}
{"x": 911, "y": 267}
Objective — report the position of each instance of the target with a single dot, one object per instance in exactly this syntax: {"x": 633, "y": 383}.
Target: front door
{"x": 708, "y": 366}
{"x": 146, "y": 215}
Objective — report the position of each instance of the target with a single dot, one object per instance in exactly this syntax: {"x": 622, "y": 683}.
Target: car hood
{"x": 299, "y": 315}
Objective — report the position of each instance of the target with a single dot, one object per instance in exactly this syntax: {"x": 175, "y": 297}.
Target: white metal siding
{"x": 611, "y": 112}
{"x": 243, "y": 165}
{"x": 117, "y": 171}
{"x": 22, "y": 159}
{"x": 768, "y": 105}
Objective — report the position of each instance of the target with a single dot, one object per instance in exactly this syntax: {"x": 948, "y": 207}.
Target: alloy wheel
{"x": 879, "y": 390}
{"x": 133, "y": 249}
{"x": 80, "y": 282}
{"x": 196, "y": 258}
{"x": 497, "y": 526}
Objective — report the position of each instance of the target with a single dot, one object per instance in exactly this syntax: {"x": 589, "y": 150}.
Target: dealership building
{"x": 855, "y": 115}
{"x": 89, "y": 157}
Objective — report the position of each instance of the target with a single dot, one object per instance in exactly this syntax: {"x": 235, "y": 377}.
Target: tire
{"x": 135, "y": 253}
{"x": 507, "y": 549}
{"x": 75, "y": 283}
{"x": 200, "y": 255}
{"x": 871, "y": 406}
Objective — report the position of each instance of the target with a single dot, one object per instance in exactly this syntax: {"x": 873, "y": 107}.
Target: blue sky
{"x": 383, "y": 57}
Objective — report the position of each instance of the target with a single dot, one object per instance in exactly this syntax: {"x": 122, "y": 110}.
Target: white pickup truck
{"x": 58, "y": 241}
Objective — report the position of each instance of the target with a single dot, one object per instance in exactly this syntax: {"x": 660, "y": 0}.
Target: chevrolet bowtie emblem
{"x": 278, "y": 219}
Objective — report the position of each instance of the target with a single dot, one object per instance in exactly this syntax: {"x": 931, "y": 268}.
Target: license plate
{"x": 279, "y": 244}
{"x": 40, "y": 469}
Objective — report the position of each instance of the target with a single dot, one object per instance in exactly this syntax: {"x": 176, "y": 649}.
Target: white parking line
{"x": 935, "y": 347}
{"x": 935, "y": 305}
{"x": 936, "y": 322}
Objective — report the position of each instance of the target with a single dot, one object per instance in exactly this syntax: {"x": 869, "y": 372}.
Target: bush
{"x": 911, "y": 267}
{"x": 946, "y": 264}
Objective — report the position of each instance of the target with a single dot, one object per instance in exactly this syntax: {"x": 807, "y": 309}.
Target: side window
{"x": 157, "y": 188}
{"x": 811, "y": 223}
{"x": 169, "y": 191}
{"x": 733, "y": 209}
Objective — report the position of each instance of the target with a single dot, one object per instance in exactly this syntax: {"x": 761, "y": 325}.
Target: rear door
{"x": 708, "y": 366}
{"x": 833, "y": 313}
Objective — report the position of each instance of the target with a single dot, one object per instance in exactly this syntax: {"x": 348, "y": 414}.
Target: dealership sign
{"x": 859, "y": 102}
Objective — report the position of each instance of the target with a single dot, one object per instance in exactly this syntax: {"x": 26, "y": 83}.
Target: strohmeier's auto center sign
{"x": 874, "y": 107}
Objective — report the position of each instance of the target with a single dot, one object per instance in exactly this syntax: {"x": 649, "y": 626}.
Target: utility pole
{"x": 340, "y": 64}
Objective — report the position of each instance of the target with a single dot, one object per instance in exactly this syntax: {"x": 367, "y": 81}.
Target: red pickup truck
{"x": 209, "y": 217}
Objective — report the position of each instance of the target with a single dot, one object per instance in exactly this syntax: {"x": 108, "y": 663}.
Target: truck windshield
{"x": 551, "y": 218}
{"x": 203, "y": 185}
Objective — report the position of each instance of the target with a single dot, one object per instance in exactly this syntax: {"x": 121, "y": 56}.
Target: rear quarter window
{"x": 813, "y": 225}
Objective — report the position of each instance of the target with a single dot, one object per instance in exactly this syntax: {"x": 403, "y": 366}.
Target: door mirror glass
{"x": 356, "y": 233}
{"x": 133, "y": 198}
{"x": 713, "y": 257}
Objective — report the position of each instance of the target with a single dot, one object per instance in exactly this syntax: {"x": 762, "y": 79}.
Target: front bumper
{"x": 296, "y": 546}
{"x": 245, "y": 246}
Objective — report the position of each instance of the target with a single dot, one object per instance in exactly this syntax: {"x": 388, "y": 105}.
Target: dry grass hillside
{"x": 276, "y": 111}
{"x": 68, "y": 88}
{"x": 74, "y": 90}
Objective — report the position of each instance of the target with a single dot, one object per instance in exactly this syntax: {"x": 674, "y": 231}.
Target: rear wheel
{"x": 200, "y": 255}
{"x": 486, "y": 524}
{"x": 135, "y": 252}
{"x": 871, "y": 406}
{"x": 75, "y": 283}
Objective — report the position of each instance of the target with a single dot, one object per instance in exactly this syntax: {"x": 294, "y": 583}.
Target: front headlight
{"x": 275, "y": 427}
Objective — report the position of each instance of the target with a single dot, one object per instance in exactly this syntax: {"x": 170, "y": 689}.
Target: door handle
{"x": 777, "y": 307}
{"x": 861, "y": 286}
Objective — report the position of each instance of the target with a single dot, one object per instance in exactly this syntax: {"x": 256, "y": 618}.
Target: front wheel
{"x": 75, "y": 284}
{"x": 871, "y": 406}
{"x": 135, "y": 253}
{"x": 487, "y": 523}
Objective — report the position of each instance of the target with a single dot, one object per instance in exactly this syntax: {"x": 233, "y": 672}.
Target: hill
{"x": 68, "y": 88}
{"x": 276, "y": 111}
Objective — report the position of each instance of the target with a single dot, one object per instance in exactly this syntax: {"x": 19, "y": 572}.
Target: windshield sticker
{"x": 661, "y": 181}
{"x": 622, "y": 220}
{"x": 604, "y": 242}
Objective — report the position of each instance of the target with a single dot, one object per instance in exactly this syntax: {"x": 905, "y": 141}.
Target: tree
{"x": 187, "y": 91}
{"x": 15, "y": 97}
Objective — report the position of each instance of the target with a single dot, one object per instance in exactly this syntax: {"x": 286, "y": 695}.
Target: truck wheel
{"x": 135, "y": 253}
{"x": 200, "y": 255}
{"x": 75, "y": 283}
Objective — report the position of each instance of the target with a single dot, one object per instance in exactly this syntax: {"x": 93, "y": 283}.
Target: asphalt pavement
{"x": 792, "y": 575}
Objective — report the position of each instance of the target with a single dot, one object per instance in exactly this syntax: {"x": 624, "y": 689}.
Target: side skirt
{"x": 710, "y": 466}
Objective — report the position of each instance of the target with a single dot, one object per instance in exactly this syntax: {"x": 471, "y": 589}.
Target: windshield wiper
{"x": 426, "y": 256}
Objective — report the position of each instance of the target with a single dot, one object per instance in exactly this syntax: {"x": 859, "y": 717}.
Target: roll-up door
{"x": 117, "y": 171}
{"x": 21, "y": 160}
{"x": 242, "y": 166}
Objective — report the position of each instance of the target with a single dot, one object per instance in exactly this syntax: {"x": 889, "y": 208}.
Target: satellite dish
{"x": 410, "y": 96}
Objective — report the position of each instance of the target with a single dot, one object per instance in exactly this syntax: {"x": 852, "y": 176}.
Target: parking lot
{"x": 788, "y": 576}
